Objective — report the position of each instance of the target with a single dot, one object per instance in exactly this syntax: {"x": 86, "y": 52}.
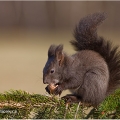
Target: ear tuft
{"x": 59, "y": 54}
{"x": 51, "y": 50}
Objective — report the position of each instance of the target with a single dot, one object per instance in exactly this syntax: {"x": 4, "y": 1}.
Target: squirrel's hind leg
{"x": 71, "y": 98}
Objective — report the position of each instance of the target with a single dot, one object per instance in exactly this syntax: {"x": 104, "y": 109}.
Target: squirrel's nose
{"x": 45, "y": 79}
{"x": 45, "y": 82}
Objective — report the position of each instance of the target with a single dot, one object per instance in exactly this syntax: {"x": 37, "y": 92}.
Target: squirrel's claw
{"x": 71, "y": 99}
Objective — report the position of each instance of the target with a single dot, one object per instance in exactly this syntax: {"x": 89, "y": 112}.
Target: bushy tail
{"x": 86, "y": 38}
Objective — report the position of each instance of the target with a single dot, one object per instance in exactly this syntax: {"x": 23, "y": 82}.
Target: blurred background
{"x": 27, "y": 29}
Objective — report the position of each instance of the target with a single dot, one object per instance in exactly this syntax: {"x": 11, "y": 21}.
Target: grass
{"x": 18, "y": 104}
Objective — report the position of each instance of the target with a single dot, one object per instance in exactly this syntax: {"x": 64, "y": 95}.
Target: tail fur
{"x": 86, "y": 38}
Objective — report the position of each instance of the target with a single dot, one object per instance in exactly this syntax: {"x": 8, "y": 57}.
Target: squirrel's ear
{"x": 51, "y": 50}
{"x": 59, "y": 54}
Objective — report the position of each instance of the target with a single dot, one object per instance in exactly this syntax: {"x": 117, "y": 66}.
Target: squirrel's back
{"x": 86, "y": 38}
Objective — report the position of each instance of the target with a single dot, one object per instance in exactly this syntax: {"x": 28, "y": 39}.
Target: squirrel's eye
{"x": 52, "y": 71}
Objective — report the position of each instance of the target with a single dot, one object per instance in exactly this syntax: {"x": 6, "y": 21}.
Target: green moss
{"x": 16, "y": 104}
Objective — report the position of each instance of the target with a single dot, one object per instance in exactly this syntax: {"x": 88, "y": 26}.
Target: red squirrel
{"x": 92, "y": 73}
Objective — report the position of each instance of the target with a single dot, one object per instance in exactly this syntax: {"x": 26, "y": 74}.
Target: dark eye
{"x": 52, "y": 71}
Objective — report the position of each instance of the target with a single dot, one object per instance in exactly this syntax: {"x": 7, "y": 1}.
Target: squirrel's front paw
{"x": 58, "y": 90}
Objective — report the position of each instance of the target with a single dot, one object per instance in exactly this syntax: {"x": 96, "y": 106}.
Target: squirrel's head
{"x": 52, "y": 71}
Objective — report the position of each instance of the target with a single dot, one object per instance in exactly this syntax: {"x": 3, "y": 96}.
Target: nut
{"x": 52, "y": 87}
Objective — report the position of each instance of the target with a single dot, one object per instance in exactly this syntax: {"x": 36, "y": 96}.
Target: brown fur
{"x": 92, "y": 73}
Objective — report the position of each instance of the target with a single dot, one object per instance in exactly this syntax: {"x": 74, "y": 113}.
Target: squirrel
{"x": 92, "y": 73}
